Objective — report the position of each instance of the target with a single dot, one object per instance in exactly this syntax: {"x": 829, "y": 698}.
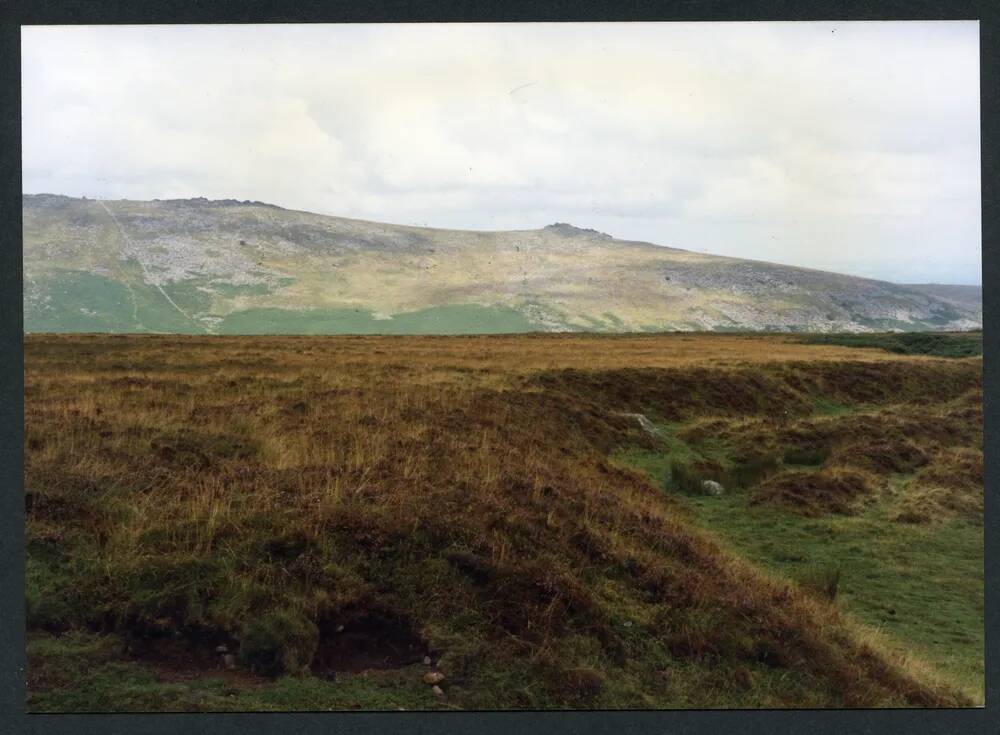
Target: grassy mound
{"x": 321, "y": 509}
{"x": 813, "y": 493}
{"x": 951, "y": 485}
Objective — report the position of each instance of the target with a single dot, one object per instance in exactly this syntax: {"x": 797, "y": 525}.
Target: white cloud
{"x": 847, "y": 146}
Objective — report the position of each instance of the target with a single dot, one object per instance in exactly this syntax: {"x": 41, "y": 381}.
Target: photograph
{"x": 525, "y": 366}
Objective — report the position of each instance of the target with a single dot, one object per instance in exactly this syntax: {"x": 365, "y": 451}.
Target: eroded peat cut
{"x": 483, "y": 522}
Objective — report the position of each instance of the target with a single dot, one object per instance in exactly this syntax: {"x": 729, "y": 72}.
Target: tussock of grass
{"x": 950, "y": 486}
{"x": 306, "y": 501}
{"x": 814, "y": 493}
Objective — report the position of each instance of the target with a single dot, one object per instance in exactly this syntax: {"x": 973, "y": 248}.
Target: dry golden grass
{"x": 458, "y": 488}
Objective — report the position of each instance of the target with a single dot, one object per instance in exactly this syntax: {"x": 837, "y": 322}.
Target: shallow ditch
{"x": 366, "y": 640}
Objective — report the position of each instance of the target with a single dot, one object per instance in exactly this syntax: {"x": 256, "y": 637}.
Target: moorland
{"x": 494, "y": 522}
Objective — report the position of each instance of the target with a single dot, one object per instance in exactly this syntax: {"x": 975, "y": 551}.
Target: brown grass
{"x": 272, "y": 489}
{"x": 813, "y": 493}
{"x": 951, "y": 485}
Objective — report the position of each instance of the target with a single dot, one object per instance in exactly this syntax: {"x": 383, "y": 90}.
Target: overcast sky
{"x": 845, "y": 146}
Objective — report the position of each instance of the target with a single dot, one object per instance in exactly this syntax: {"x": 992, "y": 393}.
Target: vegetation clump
{"x": 277, "y": 643}
{"x": 814, "y": 492}
{"x": 949, "y": 486}
{"x": 937, "y": 344}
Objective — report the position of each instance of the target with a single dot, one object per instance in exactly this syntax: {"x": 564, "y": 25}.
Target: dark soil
{"x": 367, "y": 641}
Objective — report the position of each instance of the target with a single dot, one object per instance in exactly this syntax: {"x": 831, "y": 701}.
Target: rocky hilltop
{"x": 228, "y": 266}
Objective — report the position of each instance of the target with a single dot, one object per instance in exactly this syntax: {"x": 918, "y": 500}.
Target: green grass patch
{"x": 920, "y": 584}
{"x": 681, "y": 468}
{"x": 937, "y": 344}
{"x": 65, "y": 301}
{"x": 824, "y": 407}
{"x": 453, "y": 319}
{"x": 87, "y": 672}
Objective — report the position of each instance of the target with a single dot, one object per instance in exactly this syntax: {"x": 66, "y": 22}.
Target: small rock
{"x": 340, "y": 628}
{"x": 648, "y": 426}
{"x": 427, "y": 660}
{"x": 438, "y": 691}
{"x": 711, "y": 487}
{"x": 433, "y": 677}
{"x": 221, "y": 649}
{"x": 229, "y": 661}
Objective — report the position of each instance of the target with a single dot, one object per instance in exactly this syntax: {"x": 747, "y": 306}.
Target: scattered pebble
{"x": 221, "y": 649}
{"x": 438, "y": 691}
{"x": 427, "y": 660}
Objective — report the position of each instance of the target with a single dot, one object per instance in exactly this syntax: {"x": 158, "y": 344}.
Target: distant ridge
{"x": 230, "y": 266}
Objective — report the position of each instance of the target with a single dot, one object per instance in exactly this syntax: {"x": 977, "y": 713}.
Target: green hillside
{"x": 229, "y": 267}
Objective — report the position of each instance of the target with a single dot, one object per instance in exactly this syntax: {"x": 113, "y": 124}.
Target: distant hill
{"x": 201, "y": 266}
{"x": 967, "y": 297}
